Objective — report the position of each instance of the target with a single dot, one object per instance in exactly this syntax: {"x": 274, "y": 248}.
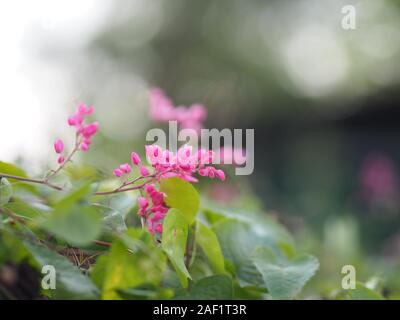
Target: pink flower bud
{"x": 72, "y": 121}
{"x": 82, "y": 109}
{"x": 59, "y": 146}
{"x": 220, "y": 175}
{"x": 159, "y": 228}
{"x": 135, "y": 158}
{"x": 143, "y": 171}
{"x": 203, "y": 172}
{"x": 211, "y": 172}
{"x": 126, "y": 168}
{"x": 84, "y": 147}
{"x": 90, "y": 130}
{"x": 150, "y": 189}
{"x": 60, "y": 160}
{"x": 157, "y": 198}
{"x": 143, "y": 202}
{"x": 118, "y": 172}
{"x": 158, "y": 215}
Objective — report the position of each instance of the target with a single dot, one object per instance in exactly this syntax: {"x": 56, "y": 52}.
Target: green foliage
{"x": 361, "y": 292}
{"x": 218, "y": 287}
{"x": 183, "y": 196}
{"x": 208, "y": 241}
{"x": 76, "y": 225}
{"x": 70, "y": 282}
{"x": 23, "y": 210}
{"x": 284, "y": 277}
{"x": 124, "y": 269}
{"x": 99, "y": 250}
{"x": 6, "y": 191}
{"x": 73, "y": 220}
{"x": 12, "y": 169}
{"x": 174, "y": 238}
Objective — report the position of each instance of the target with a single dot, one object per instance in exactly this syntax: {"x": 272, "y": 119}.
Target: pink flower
{"x": 183, "y": 164}
{"x": 59, "y": 146}
{"x": 143, "y": 202}
{"x": 220, "y": 175}
{"x": 125, "y": 168}
{"x": 76, "y": 120}
{"x": 159, "y": 228}
{"x": 90, "y": 130}
{"x": 83, "y": 110}
{"x": 135, "y": 158}
{"x": 60, "y": 160}
{"x": 84, "y": 147}
{"x": 161, "y": 107}
{"x": 84, "y": 132}
{"x": 162, "y": 110}
{"x": 118, "y": 172}
{"x": 143, "y": 171}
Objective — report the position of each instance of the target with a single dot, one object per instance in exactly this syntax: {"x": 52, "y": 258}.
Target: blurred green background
{"x": 323, "y": 102}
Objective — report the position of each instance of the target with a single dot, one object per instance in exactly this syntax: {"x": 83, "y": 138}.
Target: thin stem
{"x": 22, "y": 220}
{"x": 122, "y": 188}
{"x": 12, "y": 215}
{"x": 44, "y": 182}
{"x": 102, "y": 243}
{"x": 67, "y": 159}
{"x": 104, "y": 193}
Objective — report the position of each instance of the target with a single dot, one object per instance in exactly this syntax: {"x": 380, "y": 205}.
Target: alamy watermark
{"x": 349, "y": 18}
{"x": 234, "y": 149}
{"x": 49, "y": 278}
{"x": 349, "y": 280}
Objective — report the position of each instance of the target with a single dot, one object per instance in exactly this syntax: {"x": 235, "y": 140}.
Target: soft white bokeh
{"x": 34, "y": 89}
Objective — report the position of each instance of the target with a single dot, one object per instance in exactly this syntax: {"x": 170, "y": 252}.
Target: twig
{"x": 44, "y": 182}
{"x": 102, "y": 243}
{"x": 122, "y": 188}
{"x": 67, "y": 159}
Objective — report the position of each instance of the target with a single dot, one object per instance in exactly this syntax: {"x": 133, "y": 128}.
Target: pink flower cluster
{"x": 153, "y": 214}
{"x": 183, "y": 164}
{"x": 126, "y": 168}
{"x": 166, "y": 164}
{"x": 84, "y": 132}
{"x": 162, "y": 110}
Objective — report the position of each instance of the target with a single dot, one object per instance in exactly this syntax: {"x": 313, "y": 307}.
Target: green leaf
{"x": 260, "y": 223}
{"x": 73, "y": 218}
{"x": 284, "y": 278}
{"x": 181, "y": 195}
{"x": 70, "y": 282}
{"x": 238, "y": 240}
{"x": 24, "y": 210}
{"x": 123, "y": 202}
{"x": 208, "y": 241}
{"x": 79, "y": 195}
{"x": 363, "y": 293}
{"x": 218, "y": 287}
{"x": 6, "y": 191}
{"x": 12, "y": 169}
{"x": 112, "y": 219}
{"x": 146, "y": 293}
{"x": 174, "y": 237}
{"x": 77, "y": 225}
{"x": 122, "y": 269}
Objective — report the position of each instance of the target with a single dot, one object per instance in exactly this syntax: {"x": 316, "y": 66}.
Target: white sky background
{"x": 32, "y": 89}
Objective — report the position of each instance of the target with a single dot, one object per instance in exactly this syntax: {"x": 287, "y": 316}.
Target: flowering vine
{"x": 185, "y": 164}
